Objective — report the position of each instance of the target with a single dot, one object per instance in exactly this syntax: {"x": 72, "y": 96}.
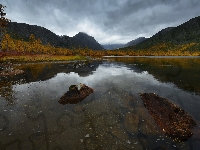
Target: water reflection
{"x": 182, "y": 71}
{"x": 113, "y": 117}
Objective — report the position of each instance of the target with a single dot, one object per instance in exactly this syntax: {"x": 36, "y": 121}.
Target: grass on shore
{"x": 34, "y": 58}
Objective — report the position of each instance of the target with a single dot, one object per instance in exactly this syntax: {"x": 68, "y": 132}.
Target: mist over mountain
{"x": 117, "y": 46}
{"x": 112, "y": 46}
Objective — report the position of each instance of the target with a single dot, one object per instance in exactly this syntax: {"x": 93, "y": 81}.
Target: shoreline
{"x": 57, "y": 58}
{"x": 153, "y": 56}
{"x": 40, "y": 58}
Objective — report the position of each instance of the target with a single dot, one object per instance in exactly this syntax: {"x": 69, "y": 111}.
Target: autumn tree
{"x": 19, "y": 46}
{"x": 7, "y": 43}
{"x": 3, "y": 23}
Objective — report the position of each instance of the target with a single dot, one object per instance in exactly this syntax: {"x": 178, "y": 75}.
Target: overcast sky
{"x": 108, "y": 21}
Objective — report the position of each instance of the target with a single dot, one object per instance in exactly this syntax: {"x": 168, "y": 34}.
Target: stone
{"x": 76, "y": 94}
{"x": 174, "y": 121}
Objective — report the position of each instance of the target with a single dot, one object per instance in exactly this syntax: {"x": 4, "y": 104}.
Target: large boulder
{"x": 76, "y": 94}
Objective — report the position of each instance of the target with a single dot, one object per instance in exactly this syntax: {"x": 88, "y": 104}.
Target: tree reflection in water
{"x": 7, "y": 92}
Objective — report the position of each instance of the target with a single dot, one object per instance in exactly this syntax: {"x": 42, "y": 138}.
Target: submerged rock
{"x": 131, "y": 121}
{"x": 120, "y": 134}
{"x": 174, "y": 121}
{"x": 76, "y": 94}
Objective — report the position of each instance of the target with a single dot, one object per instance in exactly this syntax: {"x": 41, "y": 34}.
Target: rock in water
{"x": 75, "y": 94}
{"x": 174, "y": 121}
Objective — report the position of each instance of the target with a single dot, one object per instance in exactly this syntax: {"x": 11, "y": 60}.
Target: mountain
{"x": 135, "y": 42}
{"x": 23, "y": 31}
{"x": 112, "y": 46}
{"x": 188, "y": 32}
{"x": 86, "y": 41}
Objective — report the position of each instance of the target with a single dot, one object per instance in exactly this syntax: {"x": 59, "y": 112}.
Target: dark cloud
{"x": 108, "y": 21}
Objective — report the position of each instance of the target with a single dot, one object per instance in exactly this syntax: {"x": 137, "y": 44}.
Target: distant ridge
{"x": 135, "y": 42}
{"x": 117, "y": 46}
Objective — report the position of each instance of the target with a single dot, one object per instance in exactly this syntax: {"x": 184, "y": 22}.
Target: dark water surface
{"x": 113, "y": 117}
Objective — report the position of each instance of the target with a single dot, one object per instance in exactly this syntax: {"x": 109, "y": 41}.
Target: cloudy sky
{"x": 108, "y": 21}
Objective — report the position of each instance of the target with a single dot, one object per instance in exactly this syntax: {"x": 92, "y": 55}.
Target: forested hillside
{"x": 19, "y": 31}
{"x": 182, "y": 40}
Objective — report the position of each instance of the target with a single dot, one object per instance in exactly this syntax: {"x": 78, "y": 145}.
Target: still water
{"x": 113, "y": 117}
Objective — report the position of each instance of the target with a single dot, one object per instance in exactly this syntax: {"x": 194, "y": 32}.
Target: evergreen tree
{"x": 3, "y": 23}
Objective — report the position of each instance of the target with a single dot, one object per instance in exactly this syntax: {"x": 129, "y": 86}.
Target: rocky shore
{"x": 8, "y": 69}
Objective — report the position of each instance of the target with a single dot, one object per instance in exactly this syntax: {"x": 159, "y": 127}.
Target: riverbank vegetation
{"x": 40, "y": 57}
{"x": 34, "y": 50}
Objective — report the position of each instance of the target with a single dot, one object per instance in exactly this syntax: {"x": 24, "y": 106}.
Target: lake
{"x": 112, "y": 117}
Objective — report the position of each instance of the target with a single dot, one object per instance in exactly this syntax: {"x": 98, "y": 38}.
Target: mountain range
{"x": 188, "y": 32}
{"x": 80, "y": 40}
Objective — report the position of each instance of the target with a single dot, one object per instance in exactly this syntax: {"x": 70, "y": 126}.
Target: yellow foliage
{"x": 34, "y": 46}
